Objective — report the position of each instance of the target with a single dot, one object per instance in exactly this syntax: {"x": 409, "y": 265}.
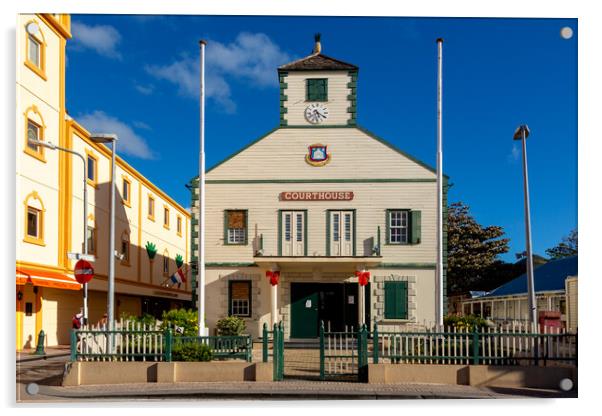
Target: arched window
{"x": 125, "y": 248}
{"x": 165, "y": 263}
{"x": 91, "y": 235}
{"x": 35, "y": 48}
{"x": 34, "y": 128}
{"x": 34, "y": 219}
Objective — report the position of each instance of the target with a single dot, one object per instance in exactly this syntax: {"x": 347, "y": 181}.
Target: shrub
{"x": 190, "y": 351}
{"x": 232, "y": 325}
{"x": 146, "y": 319}
{"x": 184, "y": 318}
{"x": 465, "y": 323}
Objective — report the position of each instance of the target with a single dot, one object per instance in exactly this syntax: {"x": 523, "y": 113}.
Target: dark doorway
{"x": 334, "y": 303}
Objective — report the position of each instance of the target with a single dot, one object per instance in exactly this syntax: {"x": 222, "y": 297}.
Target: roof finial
{"x": 318, "y": 45}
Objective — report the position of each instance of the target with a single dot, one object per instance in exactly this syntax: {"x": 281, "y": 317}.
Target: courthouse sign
{"x": 317, "y": 196}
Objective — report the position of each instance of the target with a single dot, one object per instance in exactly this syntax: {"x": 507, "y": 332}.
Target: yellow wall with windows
{"x": 52, "y": 181}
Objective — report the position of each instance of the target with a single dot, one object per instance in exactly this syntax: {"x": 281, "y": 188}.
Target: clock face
{"x": 316, "y": 113}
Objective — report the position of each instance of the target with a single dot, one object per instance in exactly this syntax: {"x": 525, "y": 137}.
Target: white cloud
{"x": 101, "y": 38}
{"x": 128, "y": 143}
{"x": 145, "y": 89}
{"x": 252, "y": 57}
{"x": 514, "y": 155}
{"x": 141, "y": 125}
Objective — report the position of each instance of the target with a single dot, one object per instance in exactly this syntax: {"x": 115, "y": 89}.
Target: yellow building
{"x": 49, "y": 201}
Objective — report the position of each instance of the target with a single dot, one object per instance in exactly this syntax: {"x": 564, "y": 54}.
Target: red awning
{"x": 46, "y": 279}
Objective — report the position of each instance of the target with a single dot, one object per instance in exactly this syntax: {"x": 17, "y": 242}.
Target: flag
{"x": 178, "y": 277}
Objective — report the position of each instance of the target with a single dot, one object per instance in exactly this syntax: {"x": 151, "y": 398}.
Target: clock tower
{"x": 318, "y": 91}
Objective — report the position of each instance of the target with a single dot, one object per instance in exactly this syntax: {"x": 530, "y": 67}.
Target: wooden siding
{"x": 371, "y": 200}
{"x": 572, "y": 309}
{"x": 354, "y": 154}
{"x": 337, "y": 102}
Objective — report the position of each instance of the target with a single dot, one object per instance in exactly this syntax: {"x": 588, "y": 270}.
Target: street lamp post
{"x": 110, "y": 138}
{"x": 52, "y": 146}
{"x": 521, "y": 133}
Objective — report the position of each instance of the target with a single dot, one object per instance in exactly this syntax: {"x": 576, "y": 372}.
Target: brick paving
{"x": 301, "y": 373}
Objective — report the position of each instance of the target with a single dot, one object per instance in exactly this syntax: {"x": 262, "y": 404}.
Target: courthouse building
{"x": 311, "y": 203}
{"x": 49, "y": 206}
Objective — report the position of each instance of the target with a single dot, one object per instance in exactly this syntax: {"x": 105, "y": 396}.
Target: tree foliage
{"x": 183, "y": 318}
{"x": 472, "y": 248}
{"x": 232, "y": 325}
{"x": 566, "y": 248}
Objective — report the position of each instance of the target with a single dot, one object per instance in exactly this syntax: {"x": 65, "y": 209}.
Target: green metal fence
{"x": 491, "y": 347}
{"x": 131, "y": 344}
{"x": 276, "y": 353}
{"x": 222, "y": 346}
{"x": 343, "y": 354}
{"x": 148, "y": 343}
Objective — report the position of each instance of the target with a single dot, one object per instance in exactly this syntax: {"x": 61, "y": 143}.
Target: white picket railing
{"x": 340, "y": 351}
{"x": 131, "y": 341}
{"x": 518, "y": 344}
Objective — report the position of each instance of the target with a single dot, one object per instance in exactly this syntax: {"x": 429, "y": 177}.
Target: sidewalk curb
{"x": 42, "y": 357}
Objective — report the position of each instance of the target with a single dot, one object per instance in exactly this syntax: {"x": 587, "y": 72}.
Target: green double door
{"x": 333, "y": 303}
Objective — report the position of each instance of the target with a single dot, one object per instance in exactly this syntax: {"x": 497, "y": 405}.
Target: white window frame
{"x": 400, "y": 238}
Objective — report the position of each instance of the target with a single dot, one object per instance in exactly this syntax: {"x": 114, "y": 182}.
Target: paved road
{"x": 47, "y": 374}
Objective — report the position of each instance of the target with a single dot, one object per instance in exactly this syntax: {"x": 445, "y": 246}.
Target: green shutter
{"x": 388, "y": 225}
{"x": 246, "y": 227}
{"x": 415, "y": 222}
{"x": 403, "y": 299}
{"x": 317, "y": 89}
{"x": 396, "y": 300}
{"x": 390, "y": 300}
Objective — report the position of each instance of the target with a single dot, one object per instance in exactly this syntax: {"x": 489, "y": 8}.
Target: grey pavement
{"x": 46, "y": 373}
{"x": 49, "y": 352}
{"x": 291, "y": 390}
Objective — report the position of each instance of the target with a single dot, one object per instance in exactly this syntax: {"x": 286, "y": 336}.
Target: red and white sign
{"x": 84, "y": 272}
{"x": 317, "y": 196}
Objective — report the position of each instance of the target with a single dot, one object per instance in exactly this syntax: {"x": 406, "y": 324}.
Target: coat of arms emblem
{"x": 317, "y": 155}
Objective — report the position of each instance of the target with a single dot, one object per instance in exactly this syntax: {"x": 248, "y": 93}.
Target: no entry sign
{"x": 84, "y": 272}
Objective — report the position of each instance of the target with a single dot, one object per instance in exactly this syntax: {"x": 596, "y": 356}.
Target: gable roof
{"x": 357, "y": 127}
{"x": 317, "y": 62}
{"x": 547, "y": 278}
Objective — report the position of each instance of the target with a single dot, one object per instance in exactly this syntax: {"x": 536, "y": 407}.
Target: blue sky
{"x": 138, "y": 76}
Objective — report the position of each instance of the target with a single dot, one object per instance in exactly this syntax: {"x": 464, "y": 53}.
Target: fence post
{"x": 168, "y": 344}
{"x": 265, "y": 342}
{"x": 275, "y": 354}
{"x": 322, "y": 350}
{"x": 475, "y": 346}
{"x": 73, "y": 345}
{"x": 281, "y": 350}
{"x": 249, "y": 349}
{"x": 363, "y": 354}
{"x": 375, "y": 344}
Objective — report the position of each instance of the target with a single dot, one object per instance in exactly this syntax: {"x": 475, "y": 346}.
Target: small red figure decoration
{"x": 274, "y": 277}
{"x": 362, "y": 277}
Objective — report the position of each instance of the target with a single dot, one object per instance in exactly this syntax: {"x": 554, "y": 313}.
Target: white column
{"x": 361, "y": 307}
{"x": 274, "y": 302}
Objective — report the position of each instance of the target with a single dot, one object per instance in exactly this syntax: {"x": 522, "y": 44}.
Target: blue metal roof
{"x": 548, "y": 277}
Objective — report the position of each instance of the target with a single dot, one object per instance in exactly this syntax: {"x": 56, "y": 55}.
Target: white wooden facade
{"x": 377, "y": 175}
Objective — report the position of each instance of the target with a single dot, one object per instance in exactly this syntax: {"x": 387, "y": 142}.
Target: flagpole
{"x": 439, "y": 284}
{"x": 201, "y": 265}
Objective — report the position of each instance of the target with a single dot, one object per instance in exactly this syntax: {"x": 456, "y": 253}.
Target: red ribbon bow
{"x": 273, "y": 276}
{"x": 362, "y": 277}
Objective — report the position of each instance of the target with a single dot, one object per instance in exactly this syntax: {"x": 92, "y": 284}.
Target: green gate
{"x": 344, "y": 354}
{"x": 276, "y": 336}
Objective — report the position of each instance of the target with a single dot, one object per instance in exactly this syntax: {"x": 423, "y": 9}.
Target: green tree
{"x": 566, "y": 248}
{"x": 472, "y": 248}
{"x": 183, "y": 318}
